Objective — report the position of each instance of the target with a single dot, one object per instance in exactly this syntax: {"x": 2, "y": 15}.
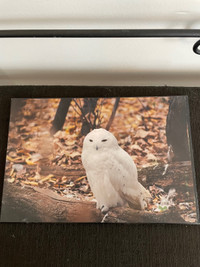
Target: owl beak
{"x": 97, "y": 148}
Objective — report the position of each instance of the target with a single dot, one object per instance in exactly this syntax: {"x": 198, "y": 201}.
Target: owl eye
{"x": 104, "y": 140}
{"x": 90, "y": 140}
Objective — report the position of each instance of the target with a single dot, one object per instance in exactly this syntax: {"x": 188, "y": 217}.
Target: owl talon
{"x": 104, "y": 209}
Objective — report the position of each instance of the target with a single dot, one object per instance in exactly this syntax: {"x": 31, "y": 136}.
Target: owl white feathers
{"x": 111, "y": 172}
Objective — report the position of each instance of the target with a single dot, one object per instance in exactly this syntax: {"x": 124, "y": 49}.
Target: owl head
{"x": 99, "y": 140}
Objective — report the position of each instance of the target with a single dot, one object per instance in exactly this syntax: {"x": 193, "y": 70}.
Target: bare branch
{"x": 113, "y": 113}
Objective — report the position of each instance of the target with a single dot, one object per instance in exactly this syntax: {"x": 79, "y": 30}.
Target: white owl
{"x": 111, "y": 172}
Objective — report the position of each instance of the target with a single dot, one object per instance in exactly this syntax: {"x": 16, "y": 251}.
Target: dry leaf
{"x": 80, "y": 178}
{"x": 35, "y": 157}
{"x": 70, "y": 129}
{"x": 29, "y": 162}
{"x": 11, "y": 180}
{"x": 136, "y": 147}
{"x": 151, "y": 157}
{"x": 13, "y": 159}
{"x": 141, "y": 134}
{"x": 18, "y": 167}
{"x": 75, "y": 154}
{"x": 46, "y": 178}
{"x": 30, "y": 183}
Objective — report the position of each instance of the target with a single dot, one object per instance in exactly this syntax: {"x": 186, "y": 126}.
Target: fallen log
{"x": 176, "y": 172}
{"x": 32, "y": 204}
{"x": 43, "y": 205}
{"x": 35, "y": 204}
{"x": 177, "y": 175}
{"x": 127, "y": 215}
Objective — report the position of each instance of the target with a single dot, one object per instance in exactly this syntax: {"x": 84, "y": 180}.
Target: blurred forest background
{"x": 139, "y": 125}
{"x": 38, "y": 158}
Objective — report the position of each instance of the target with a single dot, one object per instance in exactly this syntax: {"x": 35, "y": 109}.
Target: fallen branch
{"x": 177, "y": 175}
{"x": 127, "y": 215}
{"x": 43, "y": 205}
{"x": 113, "y": 113}
{"x": 35, "y": 204}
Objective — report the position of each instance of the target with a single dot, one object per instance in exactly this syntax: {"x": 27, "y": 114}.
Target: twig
{"x": 75, "y": 109}
{"x": 82, "y": 115}
{"x": 113, "y": 113}
{"x": 143, "y": 118}
{"x": 77, "y": 105}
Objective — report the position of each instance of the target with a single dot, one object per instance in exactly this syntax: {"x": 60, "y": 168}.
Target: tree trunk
{"x": 88, "y": 108}
{"x": 177, "y": 128}
{"x": 60, "y": 116}
{"x": 113, "y": 113}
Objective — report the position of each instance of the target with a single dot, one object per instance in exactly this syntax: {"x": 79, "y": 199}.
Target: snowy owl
{"x": 111, "y": 172}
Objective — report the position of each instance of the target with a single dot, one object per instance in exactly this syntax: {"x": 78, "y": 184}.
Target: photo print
{"x": 106, "y": 160}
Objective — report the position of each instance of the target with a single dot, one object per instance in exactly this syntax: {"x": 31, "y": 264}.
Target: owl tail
{"x": 138, "y": 197}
